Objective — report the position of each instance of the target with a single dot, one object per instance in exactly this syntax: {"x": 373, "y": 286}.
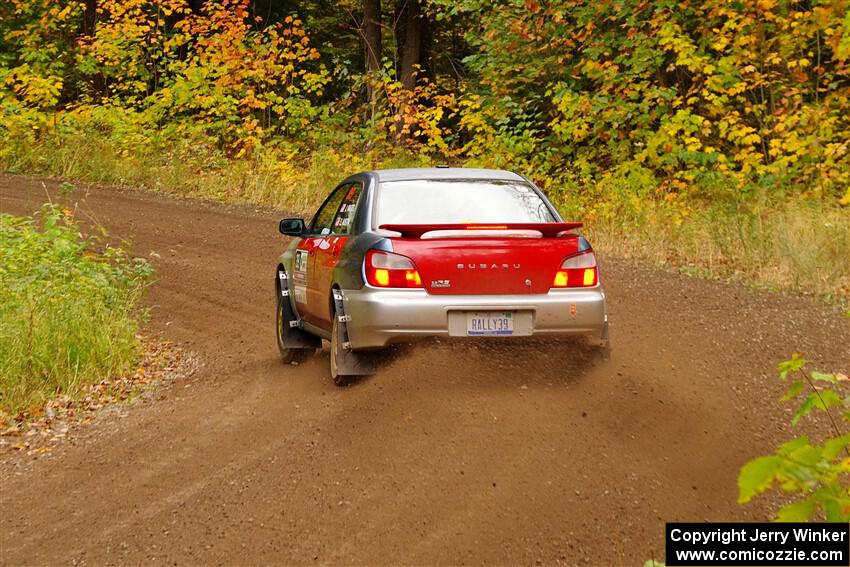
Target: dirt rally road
{"x": 450, "y": 455}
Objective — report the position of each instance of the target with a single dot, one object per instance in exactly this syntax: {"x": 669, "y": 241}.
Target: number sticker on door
{"x": 299, "y": 277}
{"x": 301, "y": 261}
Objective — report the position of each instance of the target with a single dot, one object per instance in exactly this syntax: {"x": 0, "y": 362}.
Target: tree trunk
{"x": 89, "y": 17}
{"x": 98, "y": 83}
{"x": 409, "y": 32}
{"x": 409, "y": 37}
{"x": 196, "y": 6}
{"x": 372, "y": 45}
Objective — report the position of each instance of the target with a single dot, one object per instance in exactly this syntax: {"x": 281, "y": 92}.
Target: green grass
{"x": 794, "y": 246}
{"x": 68, "y": 315}
{"x": 282, "y": 177}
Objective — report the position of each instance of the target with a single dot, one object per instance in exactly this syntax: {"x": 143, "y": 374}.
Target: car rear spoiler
{"x": 471, "y": 230}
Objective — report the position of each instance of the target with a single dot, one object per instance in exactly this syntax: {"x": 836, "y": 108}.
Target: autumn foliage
{"x": 707, "y": 94}
{"x": 618, "y": 109}
{"x": 702, "y": 93}
{"x": 162, "y": 63}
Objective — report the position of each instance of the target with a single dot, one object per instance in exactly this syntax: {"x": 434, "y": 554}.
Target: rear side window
{"x": 345, "y": 216}
{"x": 452, "y": 201}
{"x": 323, "y": 221}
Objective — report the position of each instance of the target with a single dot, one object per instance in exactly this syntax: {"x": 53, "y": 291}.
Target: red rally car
{"x": 399, "y": 254}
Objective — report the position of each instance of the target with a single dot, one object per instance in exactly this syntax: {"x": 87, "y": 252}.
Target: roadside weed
{"x": 69, "y": 315}
{"x": 815, "y": 474}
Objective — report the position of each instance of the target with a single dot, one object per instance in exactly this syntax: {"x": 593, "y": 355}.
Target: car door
{"x": 304, "y": 265}
{"x": 328, "y": 251}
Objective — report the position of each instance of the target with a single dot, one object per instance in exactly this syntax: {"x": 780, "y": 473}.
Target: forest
{"x": 705, "y": 134}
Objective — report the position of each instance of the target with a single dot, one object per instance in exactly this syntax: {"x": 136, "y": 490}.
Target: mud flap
{"x": 604, "y": 348}
{"x": 293, "y": 335}
{"x": 349, "y": 362}
{"x": 605, "y": 341}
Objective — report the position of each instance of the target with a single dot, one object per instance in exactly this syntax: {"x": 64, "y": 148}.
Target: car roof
{"x": 424, "y": 173}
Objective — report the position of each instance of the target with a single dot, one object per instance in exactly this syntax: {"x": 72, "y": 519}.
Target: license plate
{"x": 490, "y": 323}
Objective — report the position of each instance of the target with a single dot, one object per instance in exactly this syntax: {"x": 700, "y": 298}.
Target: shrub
{"x": 817, "y": 474}
{"x": 69, "y": 311}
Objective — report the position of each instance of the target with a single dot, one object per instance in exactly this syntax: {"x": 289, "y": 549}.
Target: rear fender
{"x": 348, "y": 273}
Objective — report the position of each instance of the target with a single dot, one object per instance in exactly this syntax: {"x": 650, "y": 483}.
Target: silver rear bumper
{"x": 383, "y": 316}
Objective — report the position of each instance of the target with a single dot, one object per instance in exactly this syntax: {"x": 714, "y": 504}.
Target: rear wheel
{"x": 288, "y": 355}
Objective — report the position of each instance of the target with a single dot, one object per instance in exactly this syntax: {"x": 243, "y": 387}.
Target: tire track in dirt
{"x": 452, "y": 453}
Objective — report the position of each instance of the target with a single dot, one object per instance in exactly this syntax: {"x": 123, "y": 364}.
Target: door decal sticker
{"x": 301, "y": 261}
{"x": 299, "y": 277}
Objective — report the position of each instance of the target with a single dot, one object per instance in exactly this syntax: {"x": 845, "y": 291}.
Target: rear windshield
{"x": 449, "y": 201}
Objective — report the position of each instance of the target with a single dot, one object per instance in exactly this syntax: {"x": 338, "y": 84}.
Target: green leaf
{"x": 796, "y": 511}
{"x": 833, "y": 447}
{"x": 790, "y": 446}
{"x": 834, "y": 511}
{"x": 794, "y": 389}
{"x": 757, "y": 476}
{"x": 796, "y": 363}
{"x": 824, "y": 377}
{"x": 822, "y": 400}
{"x": 830, "y": 398}
{"x": 808, "y": 456}
{"x": 805, "y": 408}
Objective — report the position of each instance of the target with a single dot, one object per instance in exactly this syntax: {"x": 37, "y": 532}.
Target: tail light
{"x": 577, "y": 271}
{"x": 385, "y": 269}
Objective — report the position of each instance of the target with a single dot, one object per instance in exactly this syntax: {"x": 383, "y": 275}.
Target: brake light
{"x": 577, "y": 271}
{"x": 385, "y": 269}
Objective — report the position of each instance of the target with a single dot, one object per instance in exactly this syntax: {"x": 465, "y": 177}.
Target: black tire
{"x": 336, "y": 351}
{"x": 288, "y": 355}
